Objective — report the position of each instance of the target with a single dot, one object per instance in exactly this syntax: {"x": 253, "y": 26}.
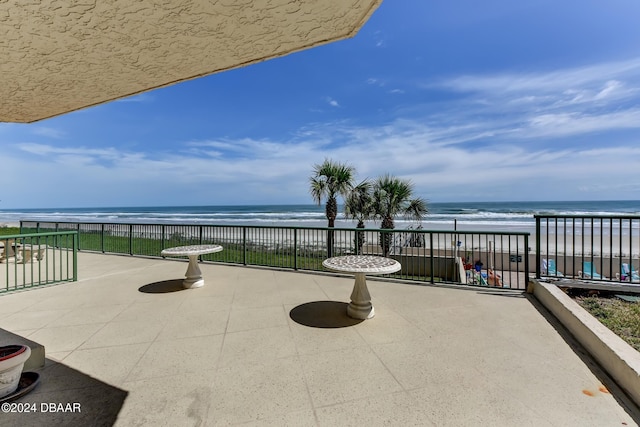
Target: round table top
{"x": 370, "y": 264}
{"x": 191, "y": 250}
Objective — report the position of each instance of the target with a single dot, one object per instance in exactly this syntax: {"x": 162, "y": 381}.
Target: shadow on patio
{"x": 323, "y": 314}
{"x": 66, "y": 396}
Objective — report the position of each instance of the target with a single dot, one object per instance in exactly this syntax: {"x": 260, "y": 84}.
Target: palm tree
{"x": 392, "y": 197}
{"x": 331, "y": 179}
{"x": 359, "y": 206}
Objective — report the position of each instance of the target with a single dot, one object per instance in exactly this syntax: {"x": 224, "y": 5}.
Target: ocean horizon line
{"x": 497, "y": 216}
{"x": 236, "y": 205}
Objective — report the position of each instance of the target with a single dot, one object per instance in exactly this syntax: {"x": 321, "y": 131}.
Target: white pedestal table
{"x": 194, "y": 275}
{"x": 360, "y": 265}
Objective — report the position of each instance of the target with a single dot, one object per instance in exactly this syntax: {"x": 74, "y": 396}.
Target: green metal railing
{"x": 431, "y": 256}
{"x": 34, "y": 259}
{"x": 603, "y": 248}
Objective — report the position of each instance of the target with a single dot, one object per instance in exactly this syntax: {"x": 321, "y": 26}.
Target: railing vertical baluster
{"x": 75, "y": 257}
{"x": 61, "y": 242}
{"x": 592, "y": 249}
{"x": 555, "y": 252}
{"x": 546, "y": 251}
{"x": 53, "y": 256}
{"x": 582, "y": 242}
{"x": 602, "y": 247}
{"x": 78, "y": 229}
{"x": 130, "y": 239}
{"x": 564, "y": 244}
{"x": 573, "y": 247}
{"x": 244, "y": 245}
{"x": 295, "y": 248}
{"x": 431, "y": 257}
{"x": 621, "y": 257}
{"x": 526, "y": 261}
{"x": 630, "y": 248}
{"x": 164, "y": 238}
{"x": 611, "y": 249}
{"x": 68, "y": 247}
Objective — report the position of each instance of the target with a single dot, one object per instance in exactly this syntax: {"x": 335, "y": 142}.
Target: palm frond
{"x": 393, "y": 196}
{"x": 329, "y": 180}
{"x": 317, "y": 189}
{"x": 359, "y": 203}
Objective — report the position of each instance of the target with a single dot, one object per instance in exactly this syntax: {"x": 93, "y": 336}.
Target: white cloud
{"x": 376, "y": 81}
{"x": 73, "y": 155}
{"x": 545, "y": 105}
{"x": 379, "y": 39}
{"x": 610, "y": 89}
{"x": 49, "y": 132}
{"x": 332, "y": 102}
{"x": 552, "y": 81}
{"x": 564, "y": 124}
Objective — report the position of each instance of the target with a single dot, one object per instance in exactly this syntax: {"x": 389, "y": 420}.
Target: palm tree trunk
{"x": 385, "y": 238}
{"x": 330, "y": 239}
{"x": 331, "y": 211}
{"x": 359, "y": 240}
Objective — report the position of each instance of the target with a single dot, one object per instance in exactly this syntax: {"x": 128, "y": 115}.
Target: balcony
{"x": 273, "y": 347}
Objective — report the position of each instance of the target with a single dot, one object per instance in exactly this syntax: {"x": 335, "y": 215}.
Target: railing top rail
{"x": 541, "y": 216}
{"x": 405, "y": 230}
{"x": 43, "y": 234}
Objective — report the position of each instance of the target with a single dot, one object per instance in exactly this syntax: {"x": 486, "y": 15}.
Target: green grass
{"x": 621, "y": 317}
{"x": 4, "y": 231}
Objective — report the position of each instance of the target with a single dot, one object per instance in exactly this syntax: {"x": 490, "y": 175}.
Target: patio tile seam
{"x": 221, "y": 350}
{"x": 33, "y": 330}
{"x": 123, "y": 376}
{"x": 308, "y": 388}
{"x": 386, "y": 367}
{"x": 128, "y": 381}
{"x": 104, "y": 325}
{"x": 405, "y": 393}
{"x": 115, "y": 345}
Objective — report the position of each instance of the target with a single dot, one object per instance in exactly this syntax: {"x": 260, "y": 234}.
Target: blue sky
{"x": 490, "y": 101}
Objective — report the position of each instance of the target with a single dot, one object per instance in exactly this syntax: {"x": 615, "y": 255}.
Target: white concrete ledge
{"x": 619, "y": 359}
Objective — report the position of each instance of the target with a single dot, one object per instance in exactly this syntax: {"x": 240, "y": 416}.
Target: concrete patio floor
{"x": 264, "y": 347}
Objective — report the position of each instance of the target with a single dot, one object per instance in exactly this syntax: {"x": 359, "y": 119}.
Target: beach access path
{"x": 132, "y": 346}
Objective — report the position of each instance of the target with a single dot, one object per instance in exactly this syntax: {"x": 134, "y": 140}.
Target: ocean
{"x": 483, "y": 216}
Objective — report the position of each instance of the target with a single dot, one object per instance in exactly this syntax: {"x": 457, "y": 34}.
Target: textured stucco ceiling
{"x": 63, "y": 55}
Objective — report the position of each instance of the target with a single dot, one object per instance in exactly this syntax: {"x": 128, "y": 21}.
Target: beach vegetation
{"x": 392, "y": 197}
{"x": 621, "y": 317}
{"x": 331, "y": 179}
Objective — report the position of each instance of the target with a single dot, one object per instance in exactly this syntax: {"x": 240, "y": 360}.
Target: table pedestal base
{"x": 194, "y": 275}
{"x": 360, "y": 306}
